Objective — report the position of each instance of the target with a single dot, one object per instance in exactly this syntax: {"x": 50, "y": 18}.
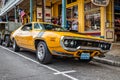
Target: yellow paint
{"x": 110, "y": 12}
{"x": 103, "y": 20}
{"x": 87, "y": 1}
{"x": 81, "y": 27}
{"x": 55, "y": 8}
{"x": 72, "y": 4}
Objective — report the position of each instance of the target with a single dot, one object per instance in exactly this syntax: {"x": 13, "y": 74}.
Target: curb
{"x": 106, "y": 61}
{"x": 118, "y": 44}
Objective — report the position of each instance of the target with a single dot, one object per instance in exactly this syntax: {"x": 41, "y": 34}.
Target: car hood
{"x": 76, "y": 34}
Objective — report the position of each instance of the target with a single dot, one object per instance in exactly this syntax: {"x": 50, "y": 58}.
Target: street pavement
{"x": 24, "y": 66}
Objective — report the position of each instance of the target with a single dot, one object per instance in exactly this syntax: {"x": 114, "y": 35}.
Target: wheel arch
{"x": 37, "y": 41}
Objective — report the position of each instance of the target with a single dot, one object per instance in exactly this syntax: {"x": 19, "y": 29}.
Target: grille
{"x": 87, "y": 43}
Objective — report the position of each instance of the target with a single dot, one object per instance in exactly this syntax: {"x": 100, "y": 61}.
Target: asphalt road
{"x": 24, "y": 66}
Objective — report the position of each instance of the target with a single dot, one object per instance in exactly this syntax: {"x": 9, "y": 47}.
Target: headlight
{"x": 73, "y": 43}
{"x": 70, "y": 43}
{"x": 66, "y": 43}
{"x": 101, "y": 45}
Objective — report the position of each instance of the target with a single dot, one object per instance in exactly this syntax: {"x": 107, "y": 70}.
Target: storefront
{"x": 91, "y": 18}
{"x": 82, "y": 15}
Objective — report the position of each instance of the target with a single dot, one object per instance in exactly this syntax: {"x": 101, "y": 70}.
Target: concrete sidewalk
{"x": 112, "y": 57}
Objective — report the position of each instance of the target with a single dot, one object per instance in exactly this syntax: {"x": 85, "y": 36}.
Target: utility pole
{"x": 15, "y": 13}
{"x": 31, "y": 10}
{"x": 6, "y": 17}
{"x": 63, "y": 13}
{"x": 43, "y": 10}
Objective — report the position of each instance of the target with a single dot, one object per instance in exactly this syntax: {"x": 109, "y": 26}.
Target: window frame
{"x": 27, "y": 25}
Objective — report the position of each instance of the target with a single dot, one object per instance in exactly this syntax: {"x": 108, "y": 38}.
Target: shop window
{"x": 117, "y": 25}
{"x": 70, "y": 1}
{"x": 72, "y": 16}
{"x": 92, "y": 17}
{"x": 59, "y": 9}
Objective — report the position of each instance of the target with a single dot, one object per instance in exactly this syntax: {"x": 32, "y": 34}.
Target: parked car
{"x": 48, "y": 40}
{"x": 5, "y": 31}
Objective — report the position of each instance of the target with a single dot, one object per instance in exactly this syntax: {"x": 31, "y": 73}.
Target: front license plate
{"x": 85, "y": 56}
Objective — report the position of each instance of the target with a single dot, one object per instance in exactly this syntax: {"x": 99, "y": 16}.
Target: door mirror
{"x": 28, "y": 28}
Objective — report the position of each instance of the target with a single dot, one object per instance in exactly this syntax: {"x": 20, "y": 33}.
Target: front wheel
{"x": 7, "y": 41}
{"x": 43, "y": 54}
{"x": 16, "y": 48}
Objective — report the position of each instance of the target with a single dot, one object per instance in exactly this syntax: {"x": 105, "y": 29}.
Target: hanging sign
{"x": 100, "y": 2}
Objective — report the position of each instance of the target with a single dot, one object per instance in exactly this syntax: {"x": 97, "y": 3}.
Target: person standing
{"x": 74, "y": 25}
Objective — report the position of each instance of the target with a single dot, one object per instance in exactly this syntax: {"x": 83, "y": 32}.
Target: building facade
{"x": 89, "y": 18}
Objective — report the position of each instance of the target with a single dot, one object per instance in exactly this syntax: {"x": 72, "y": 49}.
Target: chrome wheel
{"x": 41, "y": 51}
{"x": 43, "y": 54}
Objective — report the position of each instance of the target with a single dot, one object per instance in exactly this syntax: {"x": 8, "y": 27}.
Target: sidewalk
{"x": 112, "y": 57}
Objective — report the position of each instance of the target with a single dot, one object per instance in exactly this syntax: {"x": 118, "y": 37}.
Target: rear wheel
{"x": 7, "y": 41}
{"x": 0, "y": 41}
{"x": 43, "y": 54}
{"x": 16, "y": 48}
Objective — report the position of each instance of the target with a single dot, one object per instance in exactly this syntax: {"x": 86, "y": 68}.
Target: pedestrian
{"x": 59, "y": 20}
{"x": 74, "y": 25}
{"x": 68, "y": 24}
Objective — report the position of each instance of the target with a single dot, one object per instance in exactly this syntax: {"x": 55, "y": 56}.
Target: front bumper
{"x": 77, "y": 53}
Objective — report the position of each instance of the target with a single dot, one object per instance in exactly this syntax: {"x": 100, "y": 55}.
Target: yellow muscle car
{"x": 48, "y": 40}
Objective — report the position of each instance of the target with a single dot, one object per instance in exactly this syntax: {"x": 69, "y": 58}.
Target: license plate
{"x": 85, "y": 56}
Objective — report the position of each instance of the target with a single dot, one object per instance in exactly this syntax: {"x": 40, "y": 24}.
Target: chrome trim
{"x": 81, "y": 47}
{"x": 93, "y": 48}
{"x": 61, "y": 54}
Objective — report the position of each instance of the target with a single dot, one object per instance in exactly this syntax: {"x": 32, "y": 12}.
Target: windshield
{"x": 40, "y": 26}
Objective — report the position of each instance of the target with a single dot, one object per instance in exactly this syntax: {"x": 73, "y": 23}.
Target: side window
{"x": 27, "y": 27}
{"x": 37, "y": 26}
{"x": 48, "y": 27}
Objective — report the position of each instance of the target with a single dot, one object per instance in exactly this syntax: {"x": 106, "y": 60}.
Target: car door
{"x": 26, "y": 36}
{"x": 29, "y": 37}
{"x": 18, "y": 36}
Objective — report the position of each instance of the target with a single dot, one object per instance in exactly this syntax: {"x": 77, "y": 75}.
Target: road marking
{"x": 57, "y": 71}
{"x": 65, "y": 72}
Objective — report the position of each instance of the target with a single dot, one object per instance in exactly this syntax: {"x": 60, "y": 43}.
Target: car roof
{"x": 46, "y": 23}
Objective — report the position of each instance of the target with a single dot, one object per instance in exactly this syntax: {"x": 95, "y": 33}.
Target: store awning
{"x": 9, "y": 6}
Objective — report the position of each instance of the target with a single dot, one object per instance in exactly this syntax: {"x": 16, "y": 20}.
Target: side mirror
{"x": 28, "y": 28}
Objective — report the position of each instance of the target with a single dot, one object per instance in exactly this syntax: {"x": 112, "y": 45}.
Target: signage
{"x": 100, "y": 2}
{"x": 47, "y": 13}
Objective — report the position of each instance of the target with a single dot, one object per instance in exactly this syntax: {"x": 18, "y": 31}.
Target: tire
{"x": 0, "y": 41}
{"x": 16, "y": 48}
{"x": 7, "y": 41}
{"x": 43, "y": 54}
